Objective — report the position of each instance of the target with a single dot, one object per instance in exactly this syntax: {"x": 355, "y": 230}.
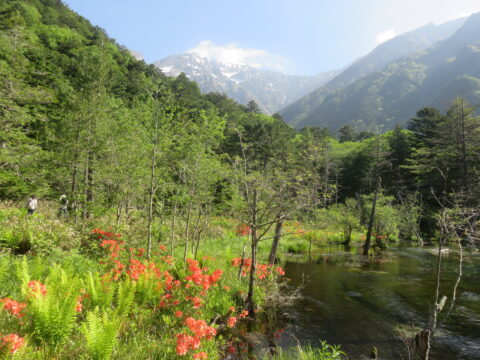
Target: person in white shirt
{"x": 32, "y": 205}
{"x": 63, "y": 210}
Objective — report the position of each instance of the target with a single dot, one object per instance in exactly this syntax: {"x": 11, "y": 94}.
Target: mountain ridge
{"x": 271, "y": 90}
{"x": 307, "y": 109}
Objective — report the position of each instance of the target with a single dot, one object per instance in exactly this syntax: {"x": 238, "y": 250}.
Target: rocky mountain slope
{"x": 272, "y": 91}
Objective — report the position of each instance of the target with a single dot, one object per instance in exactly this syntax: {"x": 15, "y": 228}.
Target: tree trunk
{"x": 251, "y": 284}
{"x": 422, "y": 344}
{"x": 119, "y": 212}
{"x": 196, "y": 230}
{"x": 465, "y": 185}
{"x": 240, "y": 268}
{"x": 84, "y": 191}
{"x": 187, "y": 229}
{"x": 73, "y": 195}
{"x": 151, "y": 190}
{"x": 366, "y": 246}
{"x": 172, "y": 239}
{"x": 347, "y": 237}
{"x": 90, "y": 184}
{"x": 276, "y": 240}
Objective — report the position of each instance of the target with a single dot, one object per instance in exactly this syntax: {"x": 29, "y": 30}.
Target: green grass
{"x": 323, "y": 352}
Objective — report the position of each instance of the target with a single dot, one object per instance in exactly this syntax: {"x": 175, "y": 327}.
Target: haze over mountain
{"x": 428, "y": 66}
{"x": 272, "y": 91}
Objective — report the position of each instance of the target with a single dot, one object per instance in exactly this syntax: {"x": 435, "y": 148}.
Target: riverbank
{"x": 87, "y": 290}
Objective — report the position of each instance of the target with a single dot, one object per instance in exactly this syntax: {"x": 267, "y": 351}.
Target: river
{"x": 359, "y": 304}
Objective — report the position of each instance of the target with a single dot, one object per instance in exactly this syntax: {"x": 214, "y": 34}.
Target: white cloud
{"x": 234, "y": 54}
{"x": 385, "y": 36}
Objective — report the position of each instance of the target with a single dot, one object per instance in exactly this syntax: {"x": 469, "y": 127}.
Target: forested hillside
{"x": 81, "y": 116}
{"x": 391, "y": 93}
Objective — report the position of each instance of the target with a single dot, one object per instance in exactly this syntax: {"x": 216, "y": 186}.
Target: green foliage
{"x": 53, "y": 314}
{"x": 100, "y": 293}
{"x": 344, "y": 217}
{"x": 386, "y": 220}
{"x": 124, "y": 298}
{"x": 100, "y": 331}
{"x": 324, "y": 352}
{"x": 37, "y": 234}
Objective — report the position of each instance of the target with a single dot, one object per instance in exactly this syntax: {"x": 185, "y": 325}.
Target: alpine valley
{"x": 429, "y": 66}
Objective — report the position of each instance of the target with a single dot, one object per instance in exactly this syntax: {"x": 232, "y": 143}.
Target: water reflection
{"x": 360, "y": 304}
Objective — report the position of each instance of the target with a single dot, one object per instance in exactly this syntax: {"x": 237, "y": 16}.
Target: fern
{"x": 54, "y": 315}
{"x": 146, "y": 291}
{"x": 100, "y": 294}
{"x": 4, "y": 267}
{"x": 101, "y": 334}
{"x": 125, "y": 296}
{"x": 23, "y": 274}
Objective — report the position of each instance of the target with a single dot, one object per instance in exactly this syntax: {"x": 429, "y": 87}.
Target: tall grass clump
{"x": 324, "y": 352}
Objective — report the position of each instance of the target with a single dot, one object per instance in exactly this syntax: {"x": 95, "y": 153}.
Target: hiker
{"x": 32, "y": 205}
{"x": 63, "y": 210}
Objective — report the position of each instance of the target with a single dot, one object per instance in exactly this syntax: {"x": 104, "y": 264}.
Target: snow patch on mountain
{"x": 272, "y": 91}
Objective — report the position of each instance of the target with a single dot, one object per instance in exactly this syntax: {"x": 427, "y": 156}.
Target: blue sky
{"x": 292, "y": 36}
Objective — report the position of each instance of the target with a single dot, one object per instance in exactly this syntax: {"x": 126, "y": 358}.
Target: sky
{"x": 291, "y": 36}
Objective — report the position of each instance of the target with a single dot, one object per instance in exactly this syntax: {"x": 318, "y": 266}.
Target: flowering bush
{"x": 171, "y": 302}
{"x": 13, "y": 307}
{"x": 243, "y": 230}
{"x": 263, "y": 271}
{"x": 10, "y": 343}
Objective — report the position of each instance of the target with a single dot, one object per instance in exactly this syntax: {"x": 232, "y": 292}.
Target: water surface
{"x": 359, "y": 304}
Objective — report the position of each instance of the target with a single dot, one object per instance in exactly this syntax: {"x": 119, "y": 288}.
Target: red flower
{"x": 186, "y": 342}
{"x": 13, "y": 307}
{"x": 178, "y": 314}
{"x": 243, "y": 229}
{"x": 79, "y": 306}
{"x": 195, "y": 300}
{"x": 231, "y": 321}
{"x": 200, "y": 328}
{"x": 200, "y": 355}
{"x": 37, "y": 288}
{"x": 278, "y": 333}
{"x": 243, "y": 314}
{"x": 247, "y": 264}
{"x": 12, "y": 341}
{"x": 183, "y": 342}
{"x": 231, "y": 349}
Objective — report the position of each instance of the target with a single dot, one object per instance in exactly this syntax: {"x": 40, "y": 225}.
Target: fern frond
{"x": 54, "y": 315}
{"x": 125, "y": 296}
{"x": 101, "y": 334}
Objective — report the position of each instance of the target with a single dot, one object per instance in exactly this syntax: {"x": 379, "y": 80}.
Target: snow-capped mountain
{"x": 272, "y": 91}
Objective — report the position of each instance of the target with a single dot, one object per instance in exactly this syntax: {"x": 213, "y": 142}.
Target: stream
{"x": 359, "y": 304}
